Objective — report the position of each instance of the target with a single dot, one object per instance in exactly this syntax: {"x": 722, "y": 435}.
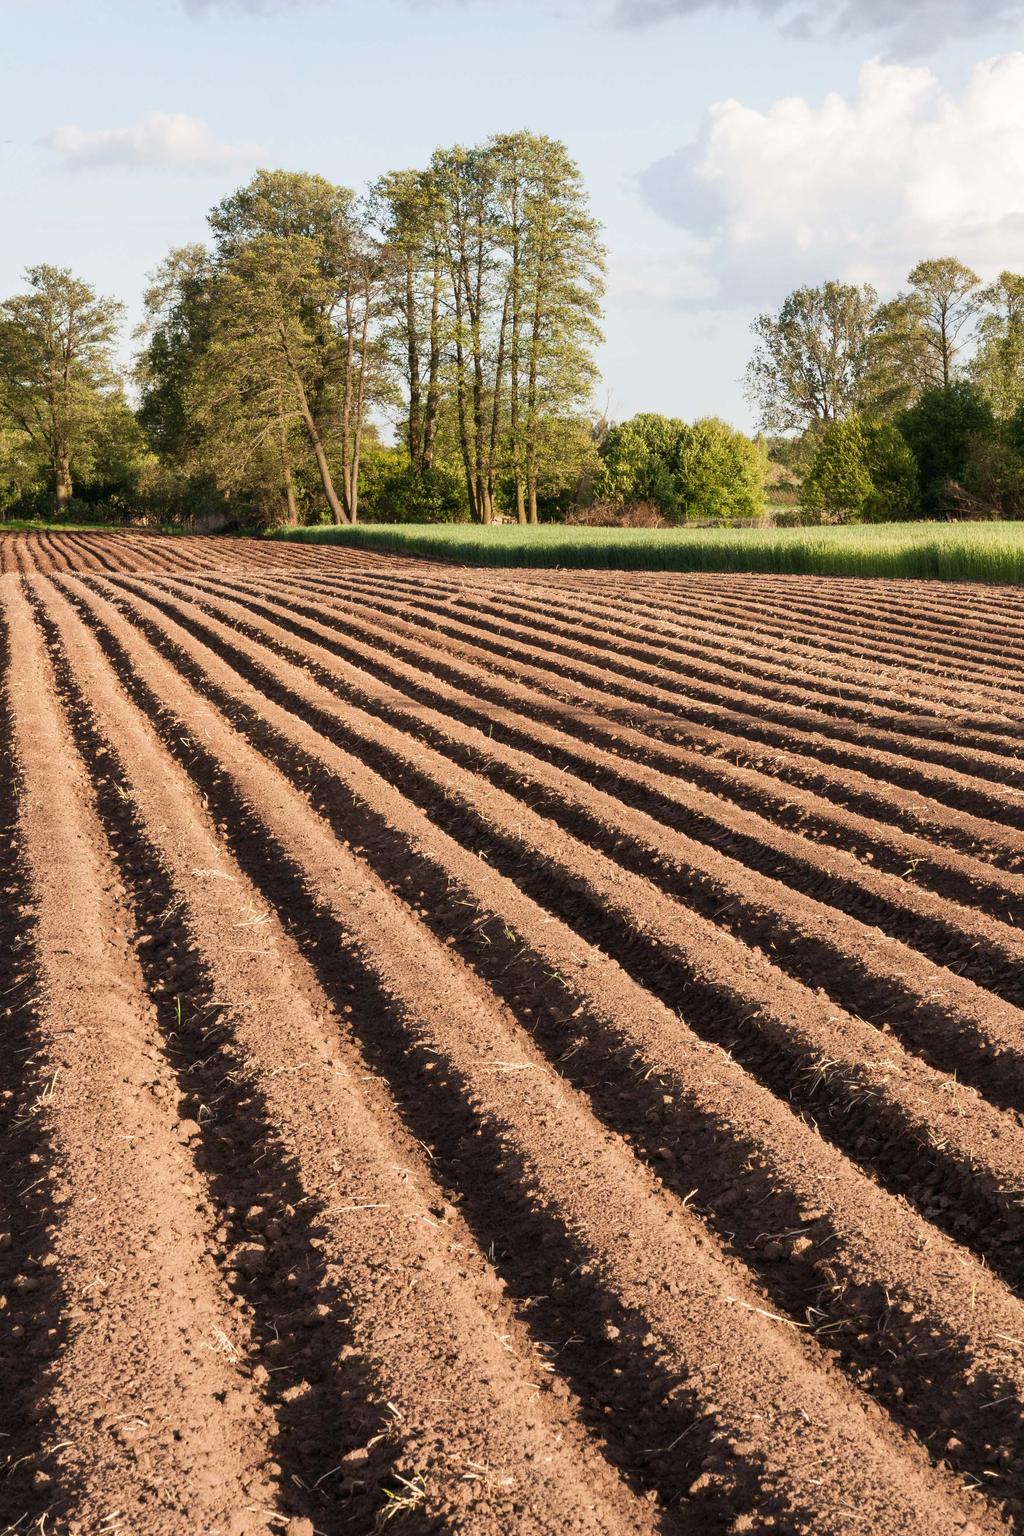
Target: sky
{"x": 733, "y": 149}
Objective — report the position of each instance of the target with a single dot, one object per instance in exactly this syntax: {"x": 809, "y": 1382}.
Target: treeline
{"x": 425, "y": 352}
{"x": 909, "y": 408}
{"x": 460, "y": 303}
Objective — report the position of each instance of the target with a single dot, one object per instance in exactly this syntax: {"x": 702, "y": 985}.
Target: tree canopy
{"x": 456, "y": 308}
{"x": 58, "y": 384}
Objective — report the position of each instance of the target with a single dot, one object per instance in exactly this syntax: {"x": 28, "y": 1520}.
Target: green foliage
{"x": 993, "y": 485}
{"x": 998, "y": 364}
{"x": 897, "y": 361}
{"x": 944, "y": 295}
{"x": 928, "y": 551}
{"x": 177, "y": 330}
{"x": 892, "y": 470}
{"x": 862, "y": 471}
{"x": 720, "y": 472}
{"x": 393, "y": 491}
{"x": 707, "y": 470}
{"x": 811, "y": 356}
{"x": 943, "y": 429}
{"x": 837, "y": 483}
{"x": 57, "y": 377}
{"x": 638, "y": 459}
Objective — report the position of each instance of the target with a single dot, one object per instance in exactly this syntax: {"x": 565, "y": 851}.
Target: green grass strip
{"x": 932, "y": 551}
{"x": 45, "y": 525}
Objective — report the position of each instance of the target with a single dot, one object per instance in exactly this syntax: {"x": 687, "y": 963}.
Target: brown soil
{"x": 506, "y": 1052}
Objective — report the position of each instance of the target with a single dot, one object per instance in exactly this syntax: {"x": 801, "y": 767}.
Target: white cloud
{"x": 857, "y": 188}
{"x": 164, "y": 140}
{"x": 914, "y": 26}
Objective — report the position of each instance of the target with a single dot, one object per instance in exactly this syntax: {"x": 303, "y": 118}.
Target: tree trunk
{"x": 360, "y": 409}
{"x": 287, "y": 478}
{"x": 62, "y": 486}
{"x": 415, "y": 431}
{"x": 313, "y": 433}
{"x": 289, "y": 495}
{"x": 533, "y": 502}
{"x": 461, "y": 404}
{"x": 433, "y": 369}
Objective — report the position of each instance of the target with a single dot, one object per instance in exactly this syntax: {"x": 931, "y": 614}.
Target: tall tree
{"x": 299, "y": 288}
{"x": 480, "y": 299}
{"x": 408, "y": 210}
{"x": 998, "y": 364}
{"x": 555, "y": 283}
{"x": 57, "y": 366}
{"x": 812, "y": 356}
{"x": 175, "y": 332}
{"x": 946, "y": 295}
{"x": 525, "y": 267}
{"x": 898, "y": 359}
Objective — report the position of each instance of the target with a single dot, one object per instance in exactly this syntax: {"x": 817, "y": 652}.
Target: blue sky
{"x": 732, "y": 147}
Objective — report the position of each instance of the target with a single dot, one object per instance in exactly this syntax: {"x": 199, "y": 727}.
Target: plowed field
{"x": 499, "y": 1052}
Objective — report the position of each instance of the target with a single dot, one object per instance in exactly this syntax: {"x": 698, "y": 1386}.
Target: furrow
{"x": 150, "y": 1340}
{"x": 782, "y": 605}
{"x": 696, "y": 654}
{"x": 613, "y": 1233}
{"x": 97, "y": 552}
{"x": 971, "y": 816}
{"x": 844, "y": 648}
{"x": 952, "y": 1022}
{"x": 855, "y": 698}
{"x": 881, "y": 1105}
{"x": 352, "y": 1258}
{"x": 471, "y": 671}
{"x": 754, "y": 827}
{"x": 989, "y": 790}
{"x": 851, "y": 615}
{"x": 31, "y": 1328}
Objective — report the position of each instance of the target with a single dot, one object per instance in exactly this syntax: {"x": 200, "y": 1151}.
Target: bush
{"x": 994, "y": 482}
{"x": 707, "y": 470}
{"x": 862, "y": 471}
{"x": 945, "y": 431}
{"x": 611, "y": 514}
{"x": 392, "y": 492}
{"x": 638, "y": 460}
{"x": 837, "y": 484}
{"x": 720, "y": 473}
{"x": 892, "y": 470}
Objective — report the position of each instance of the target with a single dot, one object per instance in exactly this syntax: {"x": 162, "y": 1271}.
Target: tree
{"x": 300, "y": 281}
{"x": 466, "y": 183}
{"x": 812, "y": 356}
{"x": 998, "y": 365}
{"x": 408, "y": 210}
{"x": 862, "y": 471}
{"x": 944, "y": 293}
{"x": 943, "y": 430}
{"x": 639, "y": 457}
{"x": 555, "y": 280}
{"x": 57, "y": 367}
{"x": 706, "y": 470}
{"x": 898, "y": 359}
{"x": 837, "y": 483}
{"x": 394, "y": 492}
{"x": 176, "y": 331}
{"x": 895, "y": 494}
{"x": 720, "y": 472}
{"x": 524, "y": 282}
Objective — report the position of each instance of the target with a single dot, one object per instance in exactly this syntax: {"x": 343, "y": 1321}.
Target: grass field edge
{"x": 992, "y": 552}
